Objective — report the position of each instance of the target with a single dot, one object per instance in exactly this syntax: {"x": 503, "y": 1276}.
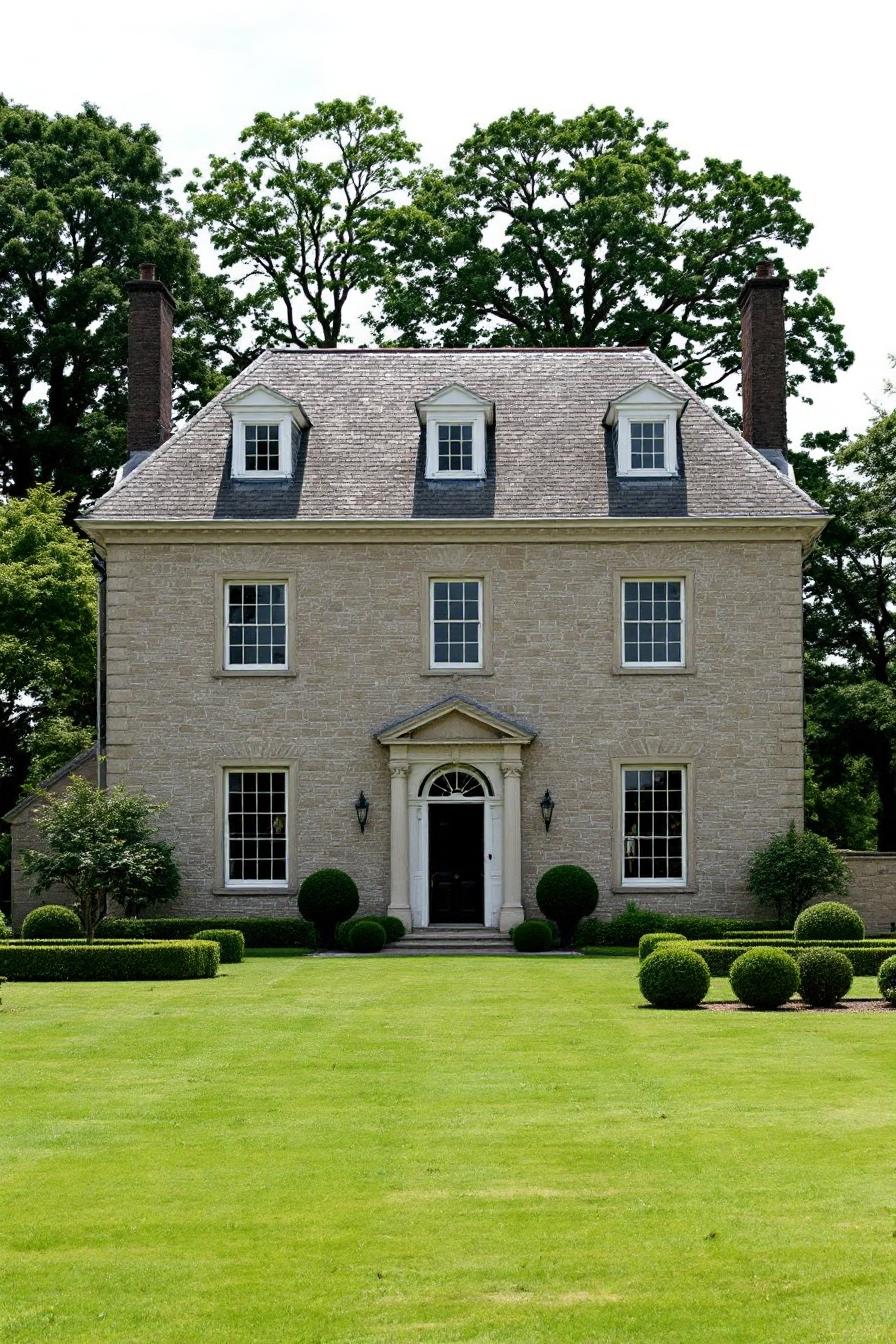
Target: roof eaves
{"x": 30, "y": 799}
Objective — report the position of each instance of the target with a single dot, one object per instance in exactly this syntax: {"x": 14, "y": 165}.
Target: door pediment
{"x": 453, "y": 721}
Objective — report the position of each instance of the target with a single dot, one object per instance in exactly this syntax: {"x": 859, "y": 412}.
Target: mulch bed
{"x": 797, "y": 1006}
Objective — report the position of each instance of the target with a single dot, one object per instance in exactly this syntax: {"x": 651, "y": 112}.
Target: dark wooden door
{"x": 456, "y": 891}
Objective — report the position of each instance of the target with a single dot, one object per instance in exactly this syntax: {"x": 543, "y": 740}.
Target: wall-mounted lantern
{"x": 547, "y": 809}
{"x": 362, "y": 807}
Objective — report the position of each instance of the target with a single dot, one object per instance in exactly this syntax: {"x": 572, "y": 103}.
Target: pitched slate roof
{"x": 548, "y": 455}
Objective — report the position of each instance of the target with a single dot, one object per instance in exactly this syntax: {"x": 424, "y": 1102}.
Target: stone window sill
{"x": 619, "y": 671}
{"x": 644, "y": 893}
{"x": 250, "y": 892}
{"x": 457, "y": 672}
{"x": 225, "y": 673}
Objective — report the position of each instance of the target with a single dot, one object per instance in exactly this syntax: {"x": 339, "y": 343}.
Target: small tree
{"x": 102, "y": 847}
{"x": 794, "y": 868}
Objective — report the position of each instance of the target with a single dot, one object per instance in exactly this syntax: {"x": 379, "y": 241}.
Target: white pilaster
{"x": 399, "y": 881}
{"x": 512, "y": 886}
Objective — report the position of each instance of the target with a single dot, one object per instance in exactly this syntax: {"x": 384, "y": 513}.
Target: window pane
{"x": 256, "y": 624}
{"x": 256, "y": 825}
{"x": 456, "y": 621}
{"x": 648, "y": 440}
{"x": 653, "y": 825}
{"x": 455, "y": 447}
{"x": 652, "y": 624}
{"x": 262, "y": 443}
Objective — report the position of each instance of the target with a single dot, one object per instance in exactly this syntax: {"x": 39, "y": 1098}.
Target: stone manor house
{"x": 444, "y": 618}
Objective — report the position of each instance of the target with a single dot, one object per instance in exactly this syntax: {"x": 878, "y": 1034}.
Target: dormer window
{"x": 455, "y": 421}
{"x": 266, "y": 430}
{"x": 646, "y": 423}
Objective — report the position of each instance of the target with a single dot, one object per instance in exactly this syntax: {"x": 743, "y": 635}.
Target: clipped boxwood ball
{"x": 828, "y": 921}
{"x": 649, "y": 942}
{"x": 231, "y": 942}
{"x": 886, "y": 979}
{"x": 825, "y": 976}
{"x": 327, "y": 897}
{"x": 764, "y": 977}
{"x": 533, "y": 935}
{"x": 393, "y": 927}
{"x": 674, "y": 976}
{"x": 566, "y": 894}
{"x": 52, "y": 921}
{"x": 366, "y": 935}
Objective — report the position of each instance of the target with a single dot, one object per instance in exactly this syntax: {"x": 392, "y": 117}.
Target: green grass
{"x": 439, "y": 1149}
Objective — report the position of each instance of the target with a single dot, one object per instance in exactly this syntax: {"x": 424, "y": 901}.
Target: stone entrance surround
{"x": 456, "y": 732}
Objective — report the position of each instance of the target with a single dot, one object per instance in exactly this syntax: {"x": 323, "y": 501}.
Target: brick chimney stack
{"x": 764, "y": 364}
{"x": 150, "y": 325}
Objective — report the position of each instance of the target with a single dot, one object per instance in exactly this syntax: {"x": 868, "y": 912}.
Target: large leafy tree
{"x": 83, "y": 200}
{"x": 851, "y": 627}
{"x": 299, "y": 216}
{"x": 596, "y": 230}
{"x": 47, "y": 638}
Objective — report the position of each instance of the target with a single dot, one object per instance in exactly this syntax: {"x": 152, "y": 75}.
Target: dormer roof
{"x": 259, "y": 397}
{"x": 644, "y": 396}
{"x": 454, "y": 397}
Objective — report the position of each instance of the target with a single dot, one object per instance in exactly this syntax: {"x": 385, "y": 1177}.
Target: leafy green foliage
{"x": 650, "y": 942}
{"x": 230, "y": 941}
{"x": 116, "y": 926}
{"x": 109, "y": 961}
{"x": 52, "y": 921}
{"x": 393, "y": 927}
{"x": 300, "y": 215}
{"x": 53, "y": 743}
{"x": 533, "y": 935}
{"x": 5, "y": 930}
{"x": 83, "y": 200}
{"x": 794, "y": 868}
{"x": 825, "y": 976}
{"x": 596, "y": 230}
{"x": 627, "y": 928}
{"x": 366, "y": 935}
{"x": 47, "y": 636}
{"x": 886, "y": 979}
{"x": 674, "y": 976}
{"x": 827, "y": 921}
{"x": 764, "y": 977}
{"x": 865, "y": 958}
{"x": 257, "y": 930}
{"x": 566, "y": 894}
{"x": 326, "y": 898}
{"x": 101, "y": 846}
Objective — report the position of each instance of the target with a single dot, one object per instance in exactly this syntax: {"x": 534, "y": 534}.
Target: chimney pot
{"x": 150, "y": 331}
{"x": 147, "y": 270}
{"x": 765, "y": 270}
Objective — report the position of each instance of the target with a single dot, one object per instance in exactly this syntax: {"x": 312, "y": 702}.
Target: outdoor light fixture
{"x": 547, "y": 809}
{"x": 362, "y": 807}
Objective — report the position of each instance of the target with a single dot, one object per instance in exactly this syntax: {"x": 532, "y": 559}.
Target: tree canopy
{"x": 83, "y": 200}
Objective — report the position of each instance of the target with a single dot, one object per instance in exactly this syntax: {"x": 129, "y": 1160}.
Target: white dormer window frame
{"x": 257, "y": 407}
{"x": 646, "y": 405}
{"x": 450, "y": 407}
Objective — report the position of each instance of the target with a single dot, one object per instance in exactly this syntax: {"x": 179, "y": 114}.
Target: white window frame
{"x": 456, "y": 667}
{"x": 648, "y": 415}
{"x": 473, "y": 417}
{"x": 254, "y": 667}
{"x": 652, "y": 578}
{"x": 284, "y": 422}
{"x": 655, "y": 883}
{"x": 253, "y": 884}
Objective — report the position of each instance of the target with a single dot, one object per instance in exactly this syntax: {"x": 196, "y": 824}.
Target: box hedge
{"x": 114, "y": 960}
{"x": 533, "y": 935}
{"x": 257, "y": 930}
{"x": 627, "y": 928}
{"x": 649, "y": 942}
{"x": 825, "y": 976}
{"x": 674, "y": 976}
{"x": 865, "y": 958}
{"x": 230, "y": 941}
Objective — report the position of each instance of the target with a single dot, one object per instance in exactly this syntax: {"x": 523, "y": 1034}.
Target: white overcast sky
{"x": 805, "y": 89}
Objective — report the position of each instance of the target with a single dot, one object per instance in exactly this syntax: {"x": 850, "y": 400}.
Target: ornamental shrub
{"x": 258, "y": 930}
{"x": 865, "y": 958}
{"x": 795, "y": 868}
{"x": 886, "y": 979}
{"x": 533, "y": 935}
{"x": 566, "y": 894}
{"x": 328, "y": 897}
{"x": 231, "y": 942}
{"x": 109, "y": 961}
{"x": 674, "y": 977}
{"x": 649, "y": 942}
{"x": 393, "y": 927}
{"x": 5, "y": 930}
{"x": 825, "y": 976}
{"x": 366, "y": 935}
{"x": 590, "y": 932}
{"x": 343, "y": 930}
{"x": 764, "y": 977}
{"x": 114, "y": 926}
{"x": 827, "y": 921}
{"x": 51, "y": 921}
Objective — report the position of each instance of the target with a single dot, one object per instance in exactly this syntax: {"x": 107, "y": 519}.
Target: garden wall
{"x": 872, "y": 888}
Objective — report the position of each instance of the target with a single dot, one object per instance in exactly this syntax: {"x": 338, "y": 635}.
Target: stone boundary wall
{"x": 872, "y": 888}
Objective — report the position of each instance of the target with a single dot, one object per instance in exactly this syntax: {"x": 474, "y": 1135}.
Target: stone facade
{"x": 734, "y": 717}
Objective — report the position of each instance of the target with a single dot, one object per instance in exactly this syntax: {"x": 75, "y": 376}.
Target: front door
{"x": 456, "y": 892}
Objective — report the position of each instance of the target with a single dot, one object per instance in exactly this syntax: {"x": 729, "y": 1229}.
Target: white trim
{"x": 472, "y": 417}
{"x": 240, "y": 884}
{"x": 459, "y": 667}
{"x": 655, "y": 883}
{"x": 284, "y": 445}
{"x": 653, "y": 578}
{"x": 647, "y": 415}
{"x": 254, "y": 667}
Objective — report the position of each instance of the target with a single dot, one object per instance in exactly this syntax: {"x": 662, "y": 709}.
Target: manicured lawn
{"x": 455, "y": 1149}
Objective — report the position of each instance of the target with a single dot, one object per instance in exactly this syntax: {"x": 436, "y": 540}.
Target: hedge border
{"x": 258, "y": 930}
{"x": 112, "y": 960}
{"x": 865, "y": 958}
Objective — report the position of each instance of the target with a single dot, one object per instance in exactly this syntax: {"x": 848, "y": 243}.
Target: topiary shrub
{"x": 764, "y": 977}
{"x": 366, "y": 935}
{"x": 393, "y": 927}
{"x": 533, "y": 935}
{"x": 566, "y": 894}
{"x": 829, "y": 921}
{"x": 886, "y": 979}
{"x": 674, "y": 977}
{"x": 649, "y": 942}
{"x": 231, "y": 942}
{"x": 109, "y": 961}
{"x": 328, "y": 897}
{"x": 590, "y": 933}
{"x": 825, "y": 976}
{"x": 114, "y": 926}
{"x": 343, "y": 930}
{"x": 51, "y": 921}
